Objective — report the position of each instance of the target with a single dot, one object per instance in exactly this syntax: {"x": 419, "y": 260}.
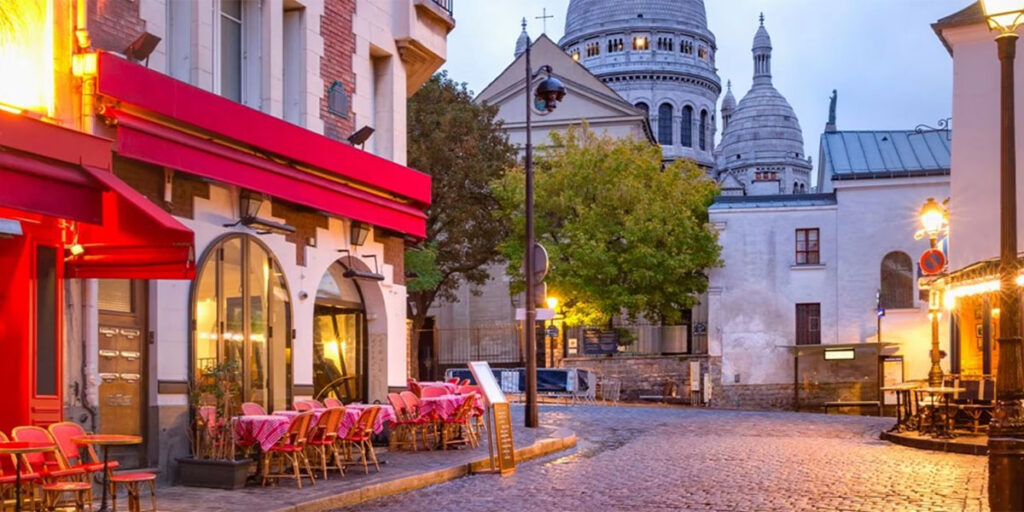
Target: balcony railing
{"x": 446, "y": 5}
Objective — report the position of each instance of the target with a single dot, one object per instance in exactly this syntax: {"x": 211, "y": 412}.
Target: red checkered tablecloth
{"x": 265, "y": 430}
{"x": 449, "y": 387}
{"x": 352, "y": 412}
{"x": 443, "y": 406}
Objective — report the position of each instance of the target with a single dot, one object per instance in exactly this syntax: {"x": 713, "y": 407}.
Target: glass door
{"x": 339, "y": 353}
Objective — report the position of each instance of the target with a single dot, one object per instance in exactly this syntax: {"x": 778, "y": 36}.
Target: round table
{"x": 19, "y": 448}
{"x": 106, "y": 441}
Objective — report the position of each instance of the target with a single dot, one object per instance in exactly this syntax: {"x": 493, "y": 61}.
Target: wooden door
{"x": 808, "y": 324}
{"x": 122, "y": 356}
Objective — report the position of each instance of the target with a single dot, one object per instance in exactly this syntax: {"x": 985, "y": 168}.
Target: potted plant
{"x": 211, "y": 438}
{"x": 625, "y": 337}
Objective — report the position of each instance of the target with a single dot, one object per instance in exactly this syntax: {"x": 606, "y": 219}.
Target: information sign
{"x": 597, "y": 341}
{"x": 504, "y": 439}
{"x": 505, "y": 458}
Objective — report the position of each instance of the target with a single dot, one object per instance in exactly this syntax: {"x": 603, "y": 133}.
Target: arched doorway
{"x": 242, "y": 314}
{"x": 339, "y": 338}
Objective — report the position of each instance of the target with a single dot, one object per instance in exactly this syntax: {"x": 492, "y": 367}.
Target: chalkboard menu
{"x": 503, "y": 436}
{"x": 599, "y": 341}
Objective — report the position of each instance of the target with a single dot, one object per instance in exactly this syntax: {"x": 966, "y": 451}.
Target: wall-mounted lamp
{"x": 353, "y": 273}
{"x": 358, "y": 232}
{"x": 249, "y": 204}
{"x": 360, "y": 136}
{"x": 141, "y": 47}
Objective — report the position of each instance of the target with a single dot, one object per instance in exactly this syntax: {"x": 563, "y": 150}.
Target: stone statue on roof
{"x": 832, "y": 107}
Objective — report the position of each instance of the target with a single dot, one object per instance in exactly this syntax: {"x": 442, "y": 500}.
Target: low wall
{"x": 812, "y": 397}
{"x": 647, "y": 375}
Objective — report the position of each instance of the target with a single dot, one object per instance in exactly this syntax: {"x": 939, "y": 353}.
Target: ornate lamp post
{"x": 1006, "y": 431}
{"x": 934, "y": 221}
{"x": 545, "y": 97}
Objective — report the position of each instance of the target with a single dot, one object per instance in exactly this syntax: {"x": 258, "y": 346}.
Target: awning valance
{"x": 137, "y": 240}
{"x": 167, "y": 122}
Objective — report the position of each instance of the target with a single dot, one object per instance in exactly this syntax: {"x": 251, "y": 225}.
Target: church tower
{"x": 660, "y": 56}
{"x": 762, "y": 147}
{"x": 728, "y": 105}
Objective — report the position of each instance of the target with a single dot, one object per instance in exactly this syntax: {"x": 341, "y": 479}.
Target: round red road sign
{"x": 933, "y": 261}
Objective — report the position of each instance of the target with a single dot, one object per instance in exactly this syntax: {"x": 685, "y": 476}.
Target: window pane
{"x": 801, "y": 258}
{"x": 665, "y": 124}
{"x": 115, "y": 295}
{"x": 230, "y": 59}
{"x": 232, "y": 8}
{"x": 258, "y": 276}
{"x": 280, "y": 348}
{"x": 231, "y": 307}
{"x": 812, "y": 234}
{"x": 812, "y": 258}
{"x": 686, "y": 127}
{"x": 207, "y": 334}
{"x": 46, "y": 321}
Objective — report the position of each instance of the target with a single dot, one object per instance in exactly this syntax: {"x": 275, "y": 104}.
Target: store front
{"x": 971, "y": 295}
{"x": 339, "y": 338}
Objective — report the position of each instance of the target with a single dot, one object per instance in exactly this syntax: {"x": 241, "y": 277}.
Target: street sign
{"x": 552, "y": 331}
{"x": 540, "y": 264}
{"x": 932, "y": 262}
{"x": 880, "y": 312}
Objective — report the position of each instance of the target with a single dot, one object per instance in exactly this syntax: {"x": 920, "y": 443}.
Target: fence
{"x": 653, "y": 339}
{"x": 494, "y": 344}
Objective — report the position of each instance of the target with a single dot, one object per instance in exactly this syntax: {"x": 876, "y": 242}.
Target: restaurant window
{"x": 230, "y": 22}
{"x": 46, "y": 321}
{"x": 897, "y": 281}
{"x": 115, "y": 295}
{"x": 808, "y": 324}
{"x": 807, "y": 247}
{"x": 242, "y": 314}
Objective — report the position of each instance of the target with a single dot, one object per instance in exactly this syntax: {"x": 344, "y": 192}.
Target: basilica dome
{"x": 594, "y": 15}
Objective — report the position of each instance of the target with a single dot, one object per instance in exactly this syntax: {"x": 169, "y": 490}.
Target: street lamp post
{"x": 934, "y": 220}
{"x": 547, "y": 95}
{"x": 1006, "y": 431}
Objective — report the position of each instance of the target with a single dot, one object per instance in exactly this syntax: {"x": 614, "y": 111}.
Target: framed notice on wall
{"x": 892, "y": 374}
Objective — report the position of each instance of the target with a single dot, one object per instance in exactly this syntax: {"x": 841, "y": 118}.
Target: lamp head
{"x": 552, "y": 303}
{"x": 933, "y": 216}
{"x": 1003, "y": 15}
{"x": 551, "y": 91}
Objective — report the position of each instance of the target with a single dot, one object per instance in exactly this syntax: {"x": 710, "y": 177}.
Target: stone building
{"x": 660, "y": 56}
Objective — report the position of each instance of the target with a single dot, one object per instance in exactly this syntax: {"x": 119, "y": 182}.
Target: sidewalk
{"x": 402, "y": 471}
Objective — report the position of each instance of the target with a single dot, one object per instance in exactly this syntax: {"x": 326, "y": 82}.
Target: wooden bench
{"x": 854, "y": 403}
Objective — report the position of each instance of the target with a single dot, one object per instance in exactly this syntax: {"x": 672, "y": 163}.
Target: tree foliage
{"x": 462, "y": 146}
{"x": 624, "y": 233}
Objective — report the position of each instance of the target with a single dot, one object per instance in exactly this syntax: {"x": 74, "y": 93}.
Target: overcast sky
{"x": 891, "y": 70}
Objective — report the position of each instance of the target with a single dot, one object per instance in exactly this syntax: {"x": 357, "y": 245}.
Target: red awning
{"x": 137, "y": 239}
{"x": 167, "y": 122}
{"x": 48, "y": 187}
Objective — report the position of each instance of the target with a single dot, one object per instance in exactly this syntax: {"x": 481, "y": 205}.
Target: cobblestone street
{"x": 659, "y": 459}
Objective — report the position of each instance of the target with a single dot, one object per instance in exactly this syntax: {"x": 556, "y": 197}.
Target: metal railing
{"x": 653, "y": 340}
{"x": 494, "y": 344}
{"x": 446, "y": 5}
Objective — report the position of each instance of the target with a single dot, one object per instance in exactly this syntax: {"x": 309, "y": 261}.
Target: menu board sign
{"x": 484, "y": 377}
{"x": 503, "y": 435}
{"x": 599, "y": 341}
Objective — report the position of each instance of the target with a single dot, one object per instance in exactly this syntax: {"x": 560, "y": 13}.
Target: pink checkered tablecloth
{"x": 265, "y": 430}
{"x": 449, "y": 387}
{"x": 443, "y": 406}
{"x": 352, "y": 412}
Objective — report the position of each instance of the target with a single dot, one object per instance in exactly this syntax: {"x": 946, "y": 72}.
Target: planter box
{"x": 216, "y": 474}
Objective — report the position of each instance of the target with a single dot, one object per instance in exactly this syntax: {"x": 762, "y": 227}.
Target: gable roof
{"x": 886, "y": 154}
{"x": 970, "y": 15}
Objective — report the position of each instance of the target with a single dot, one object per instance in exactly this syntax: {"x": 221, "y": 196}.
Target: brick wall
{"x": 114, "y": 24}
{"x": 336, "y": 63}
{"x": 647, "y": 375}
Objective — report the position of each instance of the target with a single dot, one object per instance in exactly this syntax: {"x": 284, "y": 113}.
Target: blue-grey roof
{"x": 773, "y": 201}
{"x": 886, "y": 154}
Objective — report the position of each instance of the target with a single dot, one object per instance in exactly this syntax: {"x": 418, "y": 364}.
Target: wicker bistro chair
{"x": 453, "y": 380}
{"x": 324, "y": 439}
{"x": 333, "y": 402}
{"x": 458, "y": 429}
{"x": 9, "y": 477}
{"x": 58, "y": 478}
{"x": 132, "y": 483}
{"x": 302, "y": 405}
{"x": 253, "y": 409}
{"x": 415, "y": 387}
{"x": 407, "y": 425}
{"x": 361, "y": 435}
{"x": 76, "y": 456}
{"x": 478, "y": 416}
{"x": 291, "y": 449}
{"x": 426, "y": 424}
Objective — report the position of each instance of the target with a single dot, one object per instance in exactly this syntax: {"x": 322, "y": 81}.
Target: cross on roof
{"x": 762, "y": 19}
{"x": 545, "y": 17}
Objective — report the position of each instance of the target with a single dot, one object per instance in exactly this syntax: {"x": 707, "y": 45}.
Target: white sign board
{"x": 485, "y": 379}
{"x": 542, "y": 314}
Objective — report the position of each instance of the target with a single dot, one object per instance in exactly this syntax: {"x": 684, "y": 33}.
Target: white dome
{"x": 595, "y": 15}
{"x": 729, "y": 101}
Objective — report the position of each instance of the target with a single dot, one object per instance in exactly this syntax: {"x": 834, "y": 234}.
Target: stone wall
{"x": 813, "y": 396}
{"x": 647, "y": 375}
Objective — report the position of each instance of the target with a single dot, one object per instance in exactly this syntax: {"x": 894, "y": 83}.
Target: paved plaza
{"x": 659, "y": 459}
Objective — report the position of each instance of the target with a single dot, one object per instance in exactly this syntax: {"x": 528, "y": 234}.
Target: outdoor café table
{"x": 264, "y": 430}
{"x": 903, "y": 392}
{"x": 443, "y": 406}
{"x": 19, "y": 448}
{"x": 943, "y": 394}
{"x": 448, "y": 386}
{"x": 106, "y": 441}
{"x": 353, "y": 411}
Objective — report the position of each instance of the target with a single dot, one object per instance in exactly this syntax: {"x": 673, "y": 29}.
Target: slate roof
{"x": 886, "y": 154}
{"x": 773, "y": 201}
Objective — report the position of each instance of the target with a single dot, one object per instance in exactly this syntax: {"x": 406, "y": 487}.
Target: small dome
{"x": 761, "y": 38}
{"x": 523, "y": 41}
{"x": 729, "y": 101}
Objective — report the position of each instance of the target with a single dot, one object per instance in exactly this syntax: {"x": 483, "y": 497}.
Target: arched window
{"x": 665, "y": 124}
{"x": 241, "y": 313}
{"x": 703, "y": 129}
{"x": 686, "y": 127}
{"x": 897, "y": 290}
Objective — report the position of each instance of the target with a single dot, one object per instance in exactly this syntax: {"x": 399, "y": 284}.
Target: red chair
{"x": 464, "y": 382}
{"x": 50, "y": 465}
{"x": 325, "y": 436}
{"x": 63, "y": 433}
{"x": 458, "y": 429}
{"x": 453, "y": 380}
{"x": 361, "y": 435}
{"x": 253, "y": 409}
{"x": 407, "y": 424}
{"x": 465, "y": 389}
{"x": 9, "y": 477}
{"x": 333, "y": 402}
{"x": 415, "y": 387}
{"x": 425, "y": 423}
{"x": 302, "y": 405}
{"x": 433, "y": 391}
{"x": 291, "y": 448}
{"x": 316, "y": 404}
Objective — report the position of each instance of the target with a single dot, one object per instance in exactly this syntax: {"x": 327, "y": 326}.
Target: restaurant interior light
{"x": 839, "y": 354}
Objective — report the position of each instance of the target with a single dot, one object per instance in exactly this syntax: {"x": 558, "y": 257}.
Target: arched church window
{"x": 703, "y": 129}
{"x": 665, "y": 124}
{"x": 897, "y": 290}
{"x": 686, "y": 47}
{"x": 686, "y": 127}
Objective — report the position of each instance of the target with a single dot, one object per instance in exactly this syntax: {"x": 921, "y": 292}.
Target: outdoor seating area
{"x": 54, "y": 468}
{"x": 962, "y": 405}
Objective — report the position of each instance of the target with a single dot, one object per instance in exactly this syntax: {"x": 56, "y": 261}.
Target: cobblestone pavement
{"x": 659, "y": 459}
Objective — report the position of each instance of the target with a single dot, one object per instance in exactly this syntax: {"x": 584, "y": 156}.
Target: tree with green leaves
{"x": 462, "y": 146}
{"x": 625, "y": 234}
